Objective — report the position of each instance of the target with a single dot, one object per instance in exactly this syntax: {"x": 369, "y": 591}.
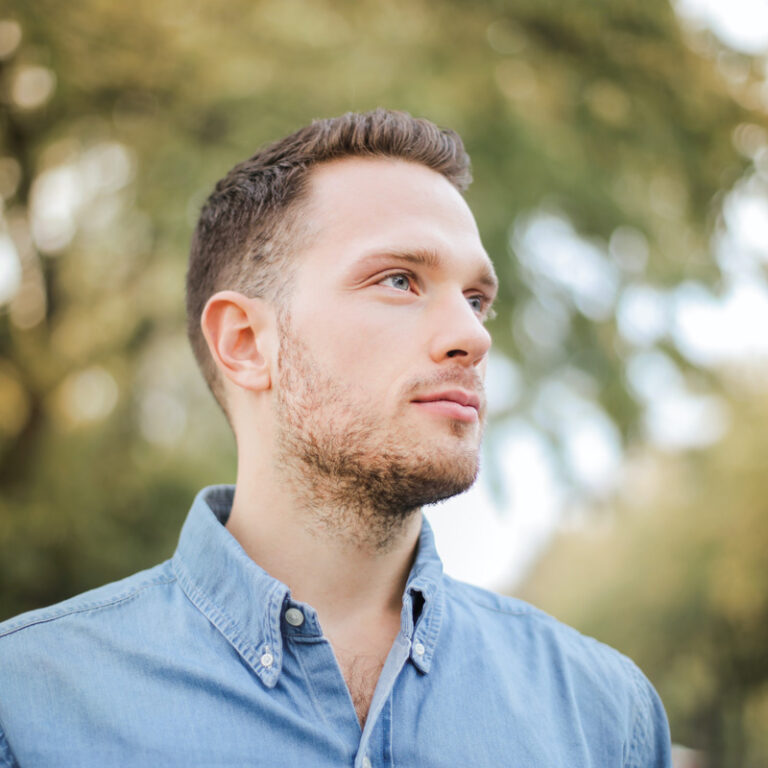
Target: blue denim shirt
{"x": 193, "y": 663}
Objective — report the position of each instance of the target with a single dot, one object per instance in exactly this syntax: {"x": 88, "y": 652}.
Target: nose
{"x": 459, "y": 334}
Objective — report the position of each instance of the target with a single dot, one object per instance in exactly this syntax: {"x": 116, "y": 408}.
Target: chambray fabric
{"x": 192, "y": 663}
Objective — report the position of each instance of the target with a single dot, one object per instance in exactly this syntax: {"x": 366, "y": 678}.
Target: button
{"x": 267, "y": 660}
{"x": 294, "y": 617}
{"x": 366, "y": 763}
{"x": 419, "y": 649}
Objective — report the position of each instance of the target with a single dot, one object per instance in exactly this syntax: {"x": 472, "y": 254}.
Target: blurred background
{"x": 620, "y": 151}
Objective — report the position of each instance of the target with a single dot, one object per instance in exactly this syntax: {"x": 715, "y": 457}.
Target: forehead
{"x": 356, "y": 206}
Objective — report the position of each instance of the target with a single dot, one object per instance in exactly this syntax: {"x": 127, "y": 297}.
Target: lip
{"x": 454, "y": 403}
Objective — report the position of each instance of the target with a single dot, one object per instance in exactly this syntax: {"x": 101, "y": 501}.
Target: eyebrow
{"x": 426, "y": 257}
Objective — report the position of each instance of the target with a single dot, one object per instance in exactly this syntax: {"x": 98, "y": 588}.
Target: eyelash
{"x": 484, "y": 303}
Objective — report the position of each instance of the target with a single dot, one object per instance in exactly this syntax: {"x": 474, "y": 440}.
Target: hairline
{"x": 290, "y": 244}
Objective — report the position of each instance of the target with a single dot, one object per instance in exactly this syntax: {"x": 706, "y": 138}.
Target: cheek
{"x": 364, "y": 348}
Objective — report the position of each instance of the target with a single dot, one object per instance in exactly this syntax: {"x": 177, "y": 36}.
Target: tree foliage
{"x": 118, "y": 118}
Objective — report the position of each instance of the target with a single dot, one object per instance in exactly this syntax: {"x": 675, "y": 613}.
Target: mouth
{"x": 454, "y": 403}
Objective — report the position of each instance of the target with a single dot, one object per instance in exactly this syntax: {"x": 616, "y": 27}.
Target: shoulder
{"x": 93, "y": 603}
{"x": 78, "y": 655}
{"x": 514, "y": 618}
{"x": 559, "y": 655}
{"x": 72, "y": 653}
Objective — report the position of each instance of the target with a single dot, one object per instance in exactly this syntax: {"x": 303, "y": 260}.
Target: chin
{"x": 449, "y": 474}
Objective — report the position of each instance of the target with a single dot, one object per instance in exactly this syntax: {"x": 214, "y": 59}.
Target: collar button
{"x": 294, "y": 617}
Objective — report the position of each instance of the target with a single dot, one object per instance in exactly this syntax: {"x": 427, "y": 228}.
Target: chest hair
{"x": 361, "y": 673}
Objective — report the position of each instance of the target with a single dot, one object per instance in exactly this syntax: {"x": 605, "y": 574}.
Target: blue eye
{"x": 481, "y": 306}
{"x": 400, "y": 281}
{"x": 477, "y": 303}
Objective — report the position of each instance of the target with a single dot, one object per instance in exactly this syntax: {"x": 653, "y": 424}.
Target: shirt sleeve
{"x": 650, "y": 745}
{"x": 7, "y": 760}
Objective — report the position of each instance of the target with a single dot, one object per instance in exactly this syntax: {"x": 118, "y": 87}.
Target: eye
{"x": 481, "y": 305}
{"x": 400, "y": 281}
{"x": 477, "y": 303}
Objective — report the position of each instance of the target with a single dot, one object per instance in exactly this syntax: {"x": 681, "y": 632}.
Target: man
{"x": 337, "y": 293}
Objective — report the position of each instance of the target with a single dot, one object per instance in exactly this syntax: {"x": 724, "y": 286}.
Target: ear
{"x": 241, "y": 338}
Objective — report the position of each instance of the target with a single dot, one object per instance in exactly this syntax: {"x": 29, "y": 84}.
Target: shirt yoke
{"x": 583, "y": 646}
{"x": 94, "y": 600}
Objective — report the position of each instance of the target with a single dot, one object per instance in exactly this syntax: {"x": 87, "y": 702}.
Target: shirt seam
{"x": 304, "y": 639}
{"x": 523, "y": 610}
{"x": 641, "y": 693}
{"x": 89, "y": 607}
{"x": 519, "y": 612}
{"x": 219, "y": 618}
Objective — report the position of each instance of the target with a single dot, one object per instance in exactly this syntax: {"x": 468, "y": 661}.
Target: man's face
{"x": 383, "y": 349}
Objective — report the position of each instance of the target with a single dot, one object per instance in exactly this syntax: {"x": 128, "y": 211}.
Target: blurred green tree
{"x": 117, "y": 119}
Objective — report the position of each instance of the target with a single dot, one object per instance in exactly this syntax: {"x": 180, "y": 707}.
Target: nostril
{"x": 455, "y": 352}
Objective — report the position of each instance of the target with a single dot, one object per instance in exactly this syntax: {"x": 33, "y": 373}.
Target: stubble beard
{"x": 350, "y": 475}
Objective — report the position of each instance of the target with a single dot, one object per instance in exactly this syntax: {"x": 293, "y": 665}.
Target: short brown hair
{"x": 240, "y": 242}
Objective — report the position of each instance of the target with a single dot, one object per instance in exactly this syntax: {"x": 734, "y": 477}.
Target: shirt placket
{"x": 325, "y": 683}
{"x": 415, "y": 641}
{"x": 372, "y": 751}
{"x": 329, "y": 689}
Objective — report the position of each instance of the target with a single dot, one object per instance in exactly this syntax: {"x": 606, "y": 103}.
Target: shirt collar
{"x": 247, "y": 605}
{"x": 423, "y": 600}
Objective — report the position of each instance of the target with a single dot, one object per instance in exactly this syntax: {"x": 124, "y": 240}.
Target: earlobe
{"x": 240, "y": 332}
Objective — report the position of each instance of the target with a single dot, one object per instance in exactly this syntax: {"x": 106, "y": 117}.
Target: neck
{"x": 332, "y": 556}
